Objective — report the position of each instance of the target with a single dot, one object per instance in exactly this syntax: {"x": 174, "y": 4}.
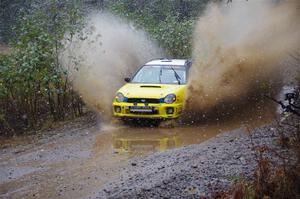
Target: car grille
{"x": 141, "y": 110}
{"x": 144, "y": 113}
{"x": 143, "y": 100}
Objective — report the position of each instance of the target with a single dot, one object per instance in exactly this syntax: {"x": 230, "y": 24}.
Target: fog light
{"x": 117, "y": 109}
{"x": 170, "y": 110}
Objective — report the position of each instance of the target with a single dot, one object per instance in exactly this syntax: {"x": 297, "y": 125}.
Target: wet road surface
{"x": 75, "y": 165}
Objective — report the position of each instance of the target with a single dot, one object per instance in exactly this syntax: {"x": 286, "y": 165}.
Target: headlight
{"x": 169, "y": 99}
{"x": 120, "y": 97}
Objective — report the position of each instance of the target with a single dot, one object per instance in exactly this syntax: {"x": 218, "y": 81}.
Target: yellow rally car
{"x": 156, "y": 91}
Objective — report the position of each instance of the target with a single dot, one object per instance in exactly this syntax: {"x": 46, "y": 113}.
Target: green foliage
{"x": 175, "y": 37}
{"x": 32, "y": 83}
{"x": 170, "y": 23}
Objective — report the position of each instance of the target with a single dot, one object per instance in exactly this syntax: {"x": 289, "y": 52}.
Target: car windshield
{"x": 157, "y": 74}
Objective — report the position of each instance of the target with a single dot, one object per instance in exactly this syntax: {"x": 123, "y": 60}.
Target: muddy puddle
{"x": 131, "y": 142}
{"x": 77, "y": 163}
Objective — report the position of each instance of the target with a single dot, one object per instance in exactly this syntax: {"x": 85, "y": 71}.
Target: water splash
{"x": 98, "y": 60}
{"x": 237, "y": 52}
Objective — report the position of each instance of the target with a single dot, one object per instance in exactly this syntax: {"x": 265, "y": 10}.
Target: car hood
{"x": 133, "y": 90}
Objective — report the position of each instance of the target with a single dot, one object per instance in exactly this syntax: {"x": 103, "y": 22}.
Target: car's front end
{"x": 149, "y": 101}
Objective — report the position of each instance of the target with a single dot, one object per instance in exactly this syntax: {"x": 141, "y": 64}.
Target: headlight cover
{"x": 120, "y": 97}
{"x": 169, "y": 99}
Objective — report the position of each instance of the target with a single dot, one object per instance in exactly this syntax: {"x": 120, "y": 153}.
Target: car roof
{"x": 165, "y": 61}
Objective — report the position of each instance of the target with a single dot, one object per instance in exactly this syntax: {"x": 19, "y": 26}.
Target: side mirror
{"x": 127, "y": 79}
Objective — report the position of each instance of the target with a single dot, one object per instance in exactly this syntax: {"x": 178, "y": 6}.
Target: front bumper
{"x": 151, "y": 111}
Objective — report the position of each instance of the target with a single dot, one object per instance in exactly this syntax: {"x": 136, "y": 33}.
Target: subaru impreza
{"x": 156, "y": 91}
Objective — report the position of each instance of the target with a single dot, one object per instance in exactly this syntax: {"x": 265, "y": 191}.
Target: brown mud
{"x": 75, "y": 162}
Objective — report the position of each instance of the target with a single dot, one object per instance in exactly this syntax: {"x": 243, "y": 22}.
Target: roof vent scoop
{"x": 150, "y": 86}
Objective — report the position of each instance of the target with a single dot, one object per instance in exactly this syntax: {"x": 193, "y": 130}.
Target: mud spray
{"x": 237, "y": 55}
{"x": 106, "y": 51}
{"x": 238, "y": 48}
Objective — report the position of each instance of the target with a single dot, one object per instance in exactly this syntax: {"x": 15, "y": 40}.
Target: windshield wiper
{"x": 160, "y": 74}
{"x": 176, "y": 75}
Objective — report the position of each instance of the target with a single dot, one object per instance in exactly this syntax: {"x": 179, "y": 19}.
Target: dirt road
{"x": 76, "y": 160}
